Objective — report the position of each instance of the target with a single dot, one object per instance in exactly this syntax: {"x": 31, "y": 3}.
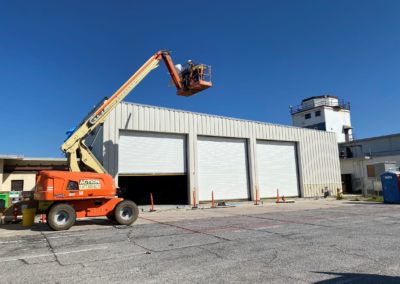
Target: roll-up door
{"x": 222, "y": 168}
{"x": 151, "y": 153}
{"x": 277, "y": 168}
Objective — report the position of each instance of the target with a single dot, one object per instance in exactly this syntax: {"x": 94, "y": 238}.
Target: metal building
{"x": 179, "y": 155}
{"x": 360, "y": 158}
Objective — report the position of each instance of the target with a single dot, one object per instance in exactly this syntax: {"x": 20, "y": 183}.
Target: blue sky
{"x": 59, "y": 58}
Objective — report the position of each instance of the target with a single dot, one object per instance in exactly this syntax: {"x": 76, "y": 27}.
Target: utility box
{"x": 4, "y": 200}
{"x": 391, "y": 187}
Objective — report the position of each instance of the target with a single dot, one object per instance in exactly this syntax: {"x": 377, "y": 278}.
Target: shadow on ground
{"x": 358, "y": 278}
{"x": 40, "y": 227}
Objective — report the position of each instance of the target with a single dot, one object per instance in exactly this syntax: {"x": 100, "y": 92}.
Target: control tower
{"x": 326, "y": 113}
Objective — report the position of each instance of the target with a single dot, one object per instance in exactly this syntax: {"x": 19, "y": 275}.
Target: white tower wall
{"x": 337, "y": 121}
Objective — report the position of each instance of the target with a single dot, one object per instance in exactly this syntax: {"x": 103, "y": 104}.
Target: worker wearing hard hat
{"x": 187, "y": 74}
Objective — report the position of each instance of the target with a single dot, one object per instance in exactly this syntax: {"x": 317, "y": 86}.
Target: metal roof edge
{"x": 11, "y": 157}
{"x": 22, "y": 158}
{"x": 371, "y": 138}
{"x": 230, "y": 118}
{"x": 45, "y": 159}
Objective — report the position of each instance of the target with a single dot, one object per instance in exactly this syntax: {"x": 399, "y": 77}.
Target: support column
{"x": 253, "y": 181}
{"x": 192, "y": 167}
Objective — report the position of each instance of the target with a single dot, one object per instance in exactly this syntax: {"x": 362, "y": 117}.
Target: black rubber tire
{"x": 61, "y": 217}
{"x": 126, "y": 212}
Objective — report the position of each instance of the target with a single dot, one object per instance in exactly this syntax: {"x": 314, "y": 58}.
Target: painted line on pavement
{"x": 10, "y": 242}
{"x": 50, "y": 237}
{"x": 50, "y": 254}
{"x": 66, "y": 236}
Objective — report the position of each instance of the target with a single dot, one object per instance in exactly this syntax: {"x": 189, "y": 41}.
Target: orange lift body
{"x": 90, "y": 194}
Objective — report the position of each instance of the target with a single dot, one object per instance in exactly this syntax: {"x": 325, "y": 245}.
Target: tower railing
{"x": 341, "y": 104}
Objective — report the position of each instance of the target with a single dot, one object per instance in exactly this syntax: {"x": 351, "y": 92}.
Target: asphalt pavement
{"x": 306, "y": 242}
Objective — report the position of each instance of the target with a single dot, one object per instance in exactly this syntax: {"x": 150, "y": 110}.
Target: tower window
{"x": 307, "y": 116}
{"x": 318, "y": 113}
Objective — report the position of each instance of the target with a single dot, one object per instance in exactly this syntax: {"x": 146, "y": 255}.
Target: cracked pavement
{"x": 307, "y": 242}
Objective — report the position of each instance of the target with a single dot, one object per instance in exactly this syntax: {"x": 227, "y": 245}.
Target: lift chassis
{"x": 87, "y": 190}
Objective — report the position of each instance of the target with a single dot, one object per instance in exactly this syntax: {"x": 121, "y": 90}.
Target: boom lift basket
{"x": 195, "y": 79}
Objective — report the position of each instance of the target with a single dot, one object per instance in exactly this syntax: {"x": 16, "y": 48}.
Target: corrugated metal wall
{"x": 318, "y": 156}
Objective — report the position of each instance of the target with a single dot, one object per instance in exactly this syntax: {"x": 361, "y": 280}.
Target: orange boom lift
{"x": 87, "y": 190}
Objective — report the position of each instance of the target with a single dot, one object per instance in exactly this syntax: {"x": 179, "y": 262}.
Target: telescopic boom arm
{"x": 79, "y": 155}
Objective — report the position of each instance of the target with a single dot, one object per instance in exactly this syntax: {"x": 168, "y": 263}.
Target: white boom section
{"x": 75, "y": 148}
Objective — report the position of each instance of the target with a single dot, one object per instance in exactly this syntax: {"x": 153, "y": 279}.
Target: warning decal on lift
{"x": 89, "y": 184}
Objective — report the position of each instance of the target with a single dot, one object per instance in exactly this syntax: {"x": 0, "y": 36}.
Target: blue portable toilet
{"x": 391, "y": 187}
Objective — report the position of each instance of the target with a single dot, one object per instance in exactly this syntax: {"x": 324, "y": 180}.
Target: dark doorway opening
{"x": 347, "y": 184}
{"x": 167, "y": 189}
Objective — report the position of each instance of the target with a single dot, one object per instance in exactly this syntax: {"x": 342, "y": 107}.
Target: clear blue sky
{"x": 58, "y": 58}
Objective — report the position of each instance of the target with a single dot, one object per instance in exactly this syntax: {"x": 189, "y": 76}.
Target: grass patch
{"x": 375, "y": 199}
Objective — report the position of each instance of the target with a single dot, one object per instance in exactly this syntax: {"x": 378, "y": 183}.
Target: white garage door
{"x": 222, "y": 168}
{"x": 151, "y": 153}
{"x": 277, "y": 168}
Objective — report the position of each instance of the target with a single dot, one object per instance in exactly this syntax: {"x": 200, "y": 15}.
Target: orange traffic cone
{"x": 194, "y": 200}
{"x": 152, "y": 203}
{"x": 257, "y": 198}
